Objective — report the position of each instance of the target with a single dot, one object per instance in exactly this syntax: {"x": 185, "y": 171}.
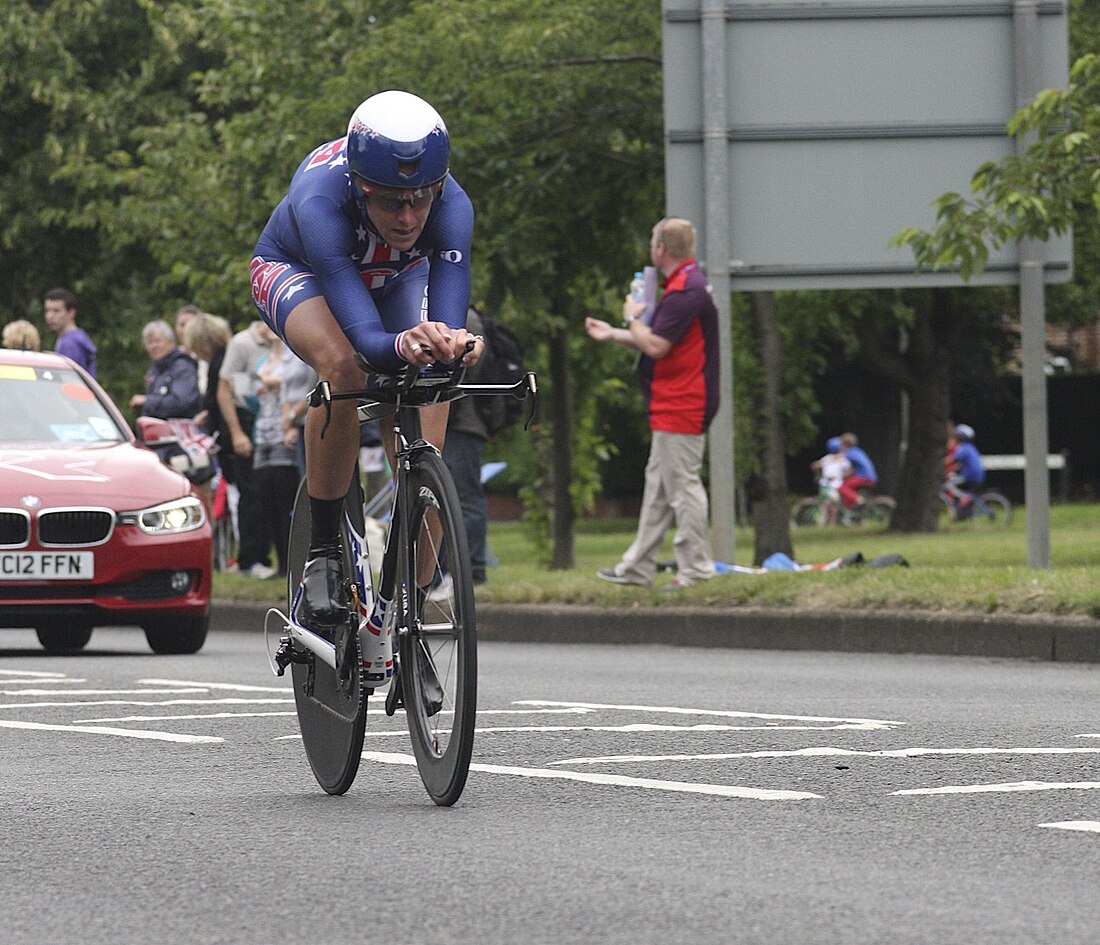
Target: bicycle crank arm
{"x": 318, "y": 646}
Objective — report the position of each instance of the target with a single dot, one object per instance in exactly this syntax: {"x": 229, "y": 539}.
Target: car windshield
{"x": 47, "y": 405}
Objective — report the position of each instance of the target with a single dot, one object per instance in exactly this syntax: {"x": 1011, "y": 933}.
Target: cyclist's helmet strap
{"x": 397, "y": 140}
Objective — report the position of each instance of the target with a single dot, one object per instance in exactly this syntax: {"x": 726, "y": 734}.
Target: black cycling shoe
{"x": 321, "y": 603}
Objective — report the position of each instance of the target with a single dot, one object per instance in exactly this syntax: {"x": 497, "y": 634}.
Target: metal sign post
{"x": 841, "y": 121}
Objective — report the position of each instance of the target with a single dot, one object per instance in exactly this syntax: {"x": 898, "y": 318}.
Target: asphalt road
{"x": 620, "y": 794}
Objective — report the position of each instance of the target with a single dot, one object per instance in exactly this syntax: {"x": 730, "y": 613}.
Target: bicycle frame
{"x": 407, "y": 440}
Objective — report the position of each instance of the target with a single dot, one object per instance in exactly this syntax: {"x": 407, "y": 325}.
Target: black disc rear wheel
{"x": 331, "y": 705}
{"x": 438, "y": 654}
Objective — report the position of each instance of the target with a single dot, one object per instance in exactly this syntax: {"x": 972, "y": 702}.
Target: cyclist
{"x": 863, "y": 474}
{"x": 368, "y": 252}
{"x": 966, "y": 472}
{"x": 831, "y": 470}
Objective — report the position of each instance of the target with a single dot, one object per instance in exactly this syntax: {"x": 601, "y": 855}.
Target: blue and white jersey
{"x": 320, "y": 228}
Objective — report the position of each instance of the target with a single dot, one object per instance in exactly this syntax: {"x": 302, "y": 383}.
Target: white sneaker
{"x": 259, "y": 571}
{"x": 443, "y": 591}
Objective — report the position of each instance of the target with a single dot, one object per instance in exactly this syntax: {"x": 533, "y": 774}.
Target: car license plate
{"x": 47, "y": 565}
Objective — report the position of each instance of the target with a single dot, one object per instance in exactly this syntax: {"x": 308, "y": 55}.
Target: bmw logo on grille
{"x": 31, "y": 501}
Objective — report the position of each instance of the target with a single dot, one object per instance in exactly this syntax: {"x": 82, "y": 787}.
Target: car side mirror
{"x": 152, "y": 431}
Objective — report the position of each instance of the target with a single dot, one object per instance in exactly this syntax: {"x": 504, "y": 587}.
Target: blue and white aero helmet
{"x": 833, "y": 444}
{"x": 396, "y": 139}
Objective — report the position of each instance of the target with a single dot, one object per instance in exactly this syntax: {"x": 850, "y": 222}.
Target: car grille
{"x": 148, "y": 589}
{"x": 65, "y": 527}
{"x": 15, "y": 528}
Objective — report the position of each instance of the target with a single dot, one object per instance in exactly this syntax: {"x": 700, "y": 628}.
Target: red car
{"x": 94, "y": 529}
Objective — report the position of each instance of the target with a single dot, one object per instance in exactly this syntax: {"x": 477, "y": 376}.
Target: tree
{"x": 1034, "y": 194}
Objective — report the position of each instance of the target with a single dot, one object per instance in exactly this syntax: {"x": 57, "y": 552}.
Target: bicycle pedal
{"x": 286, "y": 654}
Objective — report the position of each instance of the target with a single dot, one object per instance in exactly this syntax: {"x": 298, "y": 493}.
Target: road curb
{"x": 1061, "y": 639}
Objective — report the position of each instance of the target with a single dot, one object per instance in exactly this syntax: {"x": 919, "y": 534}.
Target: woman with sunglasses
{"x": 368, "y": 253}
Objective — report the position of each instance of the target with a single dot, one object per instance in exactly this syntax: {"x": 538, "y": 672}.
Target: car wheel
{"x": 57, "y": 638}
{"x": 173, "y": 635}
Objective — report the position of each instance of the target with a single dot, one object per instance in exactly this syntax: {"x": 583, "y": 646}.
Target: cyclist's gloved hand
{"x": 437, "y": 342}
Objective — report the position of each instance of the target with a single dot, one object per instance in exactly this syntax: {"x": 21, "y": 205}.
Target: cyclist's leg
{"x": 311, "y": 331}
{"x": 402, "y": 303}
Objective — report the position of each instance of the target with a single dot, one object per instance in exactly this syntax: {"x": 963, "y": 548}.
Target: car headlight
{"x": 182, "y": 515}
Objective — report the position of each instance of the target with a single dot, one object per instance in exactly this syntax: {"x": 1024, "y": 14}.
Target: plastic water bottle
{"x": 376, "y": 646}
{"x": 637, "y": 288}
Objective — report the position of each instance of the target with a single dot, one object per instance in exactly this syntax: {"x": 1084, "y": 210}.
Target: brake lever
{"x": 532, "y": 384}
{"x": 321, "y": 395}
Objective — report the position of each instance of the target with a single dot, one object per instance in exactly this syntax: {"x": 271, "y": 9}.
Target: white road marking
{"x": 1008, "y": 787}
{"x": 121, "y": 732}
{"x": 614, "y": 780}
{"x": 239, "y": 687}
{"x": 827, "y": 751}
{"x": 96, "y": 692}
{"x": 90, "y": 702}
{"x": 865, "y": 724}
{"x": 177, "y": 718}
{"x": 38, "y": 682}
{"x": 1089, "y": 826}
{"x": 30, "y": 672}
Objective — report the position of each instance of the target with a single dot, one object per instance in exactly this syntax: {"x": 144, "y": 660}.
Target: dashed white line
{"x": 183, "y": 718}
{"x": 862, "y": 724}
{"x": 239, "y": 687}
{"x": 1008, "y": 787}
{"x": 826, "y": 751}
{"x": 91, "y": 702}
{"x": 1089, "y": 826}
{"x": 121, "y": 732}
{"x": 614, "y": 780}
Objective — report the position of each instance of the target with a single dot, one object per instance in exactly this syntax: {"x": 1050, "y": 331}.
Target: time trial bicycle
{"x": 429, "y": 625}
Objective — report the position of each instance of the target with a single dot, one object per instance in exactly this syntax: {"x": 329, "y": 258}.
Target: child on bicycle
{"x": 965, "y": 471}
{"x": 862, "y": 476}
{"x": 831, "y": 469}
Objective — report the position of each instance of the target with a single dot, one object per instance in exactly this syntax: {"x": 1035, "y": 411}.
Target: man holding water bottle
{"x": 678, "y": 370}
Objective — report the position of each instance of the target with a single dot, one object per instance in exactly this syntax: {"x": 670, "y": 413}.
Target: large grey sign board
{"x": 845, "y": 120}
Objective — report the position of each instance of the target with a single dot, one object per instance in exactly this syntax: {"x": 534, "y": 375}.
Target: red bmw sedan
{"x": 94, "y": 529}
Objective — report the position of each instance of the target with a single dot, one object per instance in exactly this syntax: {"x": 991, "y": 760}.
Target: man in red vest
{"x": 678, "y": 369}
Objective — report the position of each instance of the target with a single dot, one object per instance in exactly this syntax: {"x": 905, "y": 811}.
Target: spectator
{"x": 679, "y": 379}
{"x": 298, "y": 379}
{"x": 22, "y": 335}
{"x": 238, "y": 385}
{"x": 462, "y": 452}
{"x": 171, "y": 383}
{"x": 863, "y": 474}
{"x": 274, "y": 463}
{"x": 186, "y": 314}
{"x": 73, "y": 342}
{"x": 205, "y": 337}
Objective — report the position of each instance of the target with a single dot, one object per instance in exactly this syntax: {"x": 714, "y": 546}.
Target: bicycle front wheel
{"x": 806, "y": 512}
{"x": 438, "y": 648}
{"x": 992, "y": 508}
{"x": 331, "y": 705}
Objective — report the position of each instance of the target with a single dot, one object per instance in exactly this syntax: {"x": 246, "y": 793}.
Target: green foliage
{"x": 1052, "y": 185}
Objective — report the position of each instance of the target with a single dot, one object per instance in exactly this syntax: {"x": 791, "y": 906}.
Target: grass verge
{"x": 960, "y": 569}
